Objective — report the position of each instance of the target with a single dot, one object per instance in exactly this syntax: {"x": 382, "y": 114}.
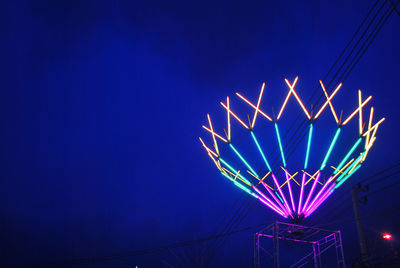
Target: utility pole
{"x": 363, "y": 245}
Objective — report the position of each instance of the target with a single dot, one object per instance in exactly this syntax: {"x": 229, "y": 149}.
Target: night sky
{"x": 101, "y": 108}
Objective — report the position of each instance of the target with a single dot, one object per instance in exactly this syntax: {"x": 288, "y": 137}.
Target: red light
{"x": 387, "y": 236}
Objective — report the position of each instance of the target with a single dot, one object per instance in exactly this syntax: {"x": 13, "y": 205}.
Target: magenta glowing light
{"x": 281, "y": 192}
{"x": 311, "y": 191}
{"x": 290, "y": 190}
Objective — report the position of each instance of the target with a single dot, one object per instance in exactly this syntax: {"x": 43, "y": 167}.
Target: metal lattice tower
{"x": 317, "y": 241}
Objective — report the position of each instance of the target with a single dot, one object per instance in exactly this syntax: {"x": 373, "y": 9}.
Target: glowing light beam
{"x": 330, "y": 148}
{"x": 280, "y": 144}
{"x": 308, "y": 146}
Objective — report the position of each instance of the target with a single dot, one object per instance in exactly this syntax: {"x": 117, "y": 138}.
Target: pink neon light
{"x": 320, "y": 192}
{"x": 214, "y": 134}
{"x": 282, "y": 195}
{"x": 290, "y": 190}
{"x": 301, "y": 191}
{"x": 270, "y": 203}
{"x": 323, "y": 198}
{"x": 228, "y": 118}
{"x": 275, "y": 198}
{"x": 311, "y": 191}
{"x": 277, "y": 211}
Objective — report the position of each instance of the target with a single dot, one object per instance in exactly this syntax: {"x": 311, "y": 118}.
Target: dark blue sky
{"x": 102, "y": 104}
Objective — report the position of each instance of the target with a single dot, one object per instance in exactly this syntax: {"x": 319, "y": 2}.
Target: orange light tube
{"x": 258, "y": 105}
{"x": 254, "y": 107}
{"x": 234, "y": 115}
{"x": 328, "y": 101}
{"x": 215, "y": 134}
{"x": 356, "y": 110}
{"x": 287, "y": 98}
{"x": 298, "y": 98}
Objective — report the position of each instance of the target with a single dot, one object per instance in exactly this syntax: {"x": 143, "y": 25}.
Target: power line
{"x": 394, "y": 7}
{"x": 143, "y": 251}
{"x": 336, "y": 214}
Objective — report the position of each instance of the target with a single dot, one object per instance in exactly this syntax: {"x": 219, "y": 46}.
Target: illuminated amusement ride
{"x": 293, "y": 194}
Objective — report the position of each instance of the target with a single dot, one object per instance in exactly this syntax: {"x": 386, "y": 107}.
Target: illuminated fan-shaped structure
{"x": 313, "y": 187}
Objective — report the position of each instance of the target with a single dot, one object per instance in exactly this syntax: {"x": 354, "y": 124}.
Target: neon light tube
{"x": 345, "y": 178}
{"x": 287, "y": 98}
{"x": 208, "y": 149}
{"x": 282, "y": 195}
{"x": 243, "y": 160}
{"x": 347, "y": 171}
{"x": 311, "y": 191}
{"x": 348, "y": 155}
{"x": 234, "y": 115}
{"x": 280, "y": 198}
{"x": 260, "y": 150}
{"x": 319, "y": 193}
{"x": 322, "y": 200}
{"x": 360, "y": 121}
{"x": 233, "y": 170}
{"x": 227, "y": 176}
{"x": 290, "y": 191}
{"x": 330, "y": 148}
{"x": 269, "y": 201}
{"x": 213, "y": 134}
{"x": 274, "y": 197}
{"x": 298, "y": 98}
{"x": 280, "y": 144}
{"x": 228, "y": 114}
{"x": 258, "y": 105}
{"x": 277, "y": 211}
{"x": 242, "y": 187}
{"x": 237, "y": 184}
{"x": 371, "y": 115}
{"x": 375, "y": 126}
{"x": 356, "y": 110}
{"x": 301, "y": 192}
{"x": 254, "y": 107}
{"x": 308, "y": 145}
{"x": 319, "y": 202}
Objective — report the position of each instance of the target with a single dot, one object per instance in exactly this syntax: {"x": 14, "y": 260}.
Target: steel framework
{"x": 321, "y": 241}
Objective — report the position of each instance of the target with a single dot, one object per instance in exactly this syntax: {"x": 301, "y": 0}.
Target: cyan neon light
{"x": 280, "y": 144}
{"x": 261, "y": 151}
{"x": 347, "y": 155}
{"x": 239, "y": 185}
{"x": 234, "y": 171}
{"x": 280, "y": 198}
{"x": 330, "y": 148}
{"x": 345, "y": 172}
{"x": 348, "y": 176}
{"x": 243, "y": 160}
{"x": 226, "y": 176}
{"x": 242, "y": 187}
{"x": 308, "y": 146}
